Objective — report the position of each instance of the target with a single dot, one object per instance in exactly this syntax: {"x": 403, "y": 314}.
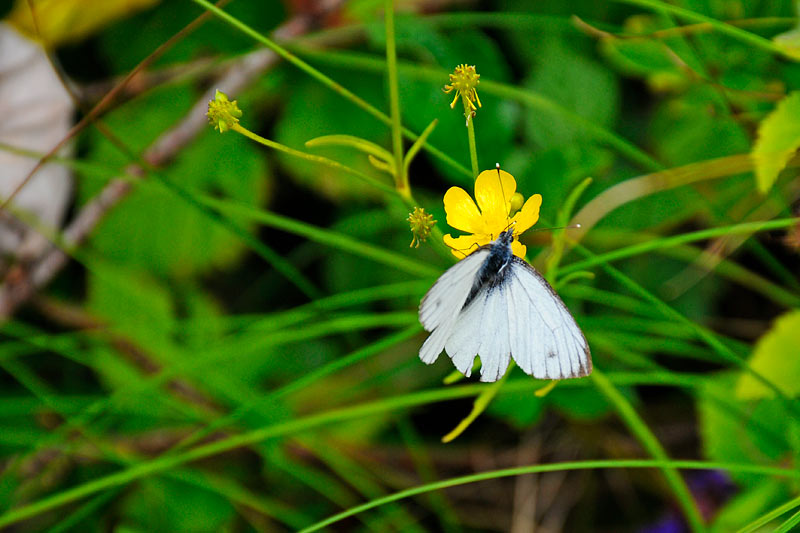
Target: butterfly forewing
{"x": 447, "y": 296}
{"x": 441, "y": 306}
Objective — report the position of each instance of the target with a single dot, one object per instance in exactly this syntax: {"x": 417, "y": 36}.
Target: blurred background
{"x": 202, "y": 333}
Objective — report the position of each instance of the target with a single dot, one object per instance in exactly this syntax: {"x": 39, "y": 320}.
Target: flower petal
{"x": 493, "y": 192}
{"x": 519, "y": 249}
{"x": 528, "y": 215}
{"x": 462, "y": 213}
{"x": 466, "y": 244}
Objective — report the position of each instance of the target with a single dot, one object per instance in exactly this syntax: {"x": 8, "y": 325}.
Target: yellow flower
{"x": 464, "y": 81}
{"x": 223, "y": 113}
{"x": 494, "y": 190}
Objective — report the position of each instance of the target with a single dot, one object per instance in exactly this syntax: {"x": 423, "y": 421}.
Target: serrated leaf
{"x": 775, "y": 357}
{"x": 644, "y": 57}
{"x": 313, "y": 112}
{"x": 778, "y": 140}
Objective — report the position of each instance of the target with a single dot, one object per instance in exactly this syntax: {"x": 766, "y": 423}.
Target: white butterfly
{"x": 494, "y": 304}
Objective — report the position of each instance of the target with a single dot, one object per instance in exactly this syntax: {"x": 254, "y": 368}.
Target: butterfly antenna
{"x": 571, "y": 226}
{"x": 503, "y": 192}
{"x": 463, "y": 250}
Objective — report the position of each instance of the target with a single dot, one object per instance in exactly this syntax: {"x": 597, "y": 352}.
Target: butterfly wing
{"x": 442, "y": 305}
{"x": 545, "y": 340}
{"x": 481, "y": 328}
{"x": 517, "y": 315}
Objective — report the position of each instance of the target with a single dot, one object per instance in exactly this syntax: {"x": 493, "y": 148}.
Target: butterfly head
{"x": 505, "y": 239}
{"x": 507, "y": 235}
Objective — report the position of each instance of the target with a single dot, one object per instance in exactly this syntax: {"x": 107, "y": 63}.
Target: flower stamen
{"x": 223, "y": 113}
{"x": 464, "y": 81}
{"x": 421, "y": 225}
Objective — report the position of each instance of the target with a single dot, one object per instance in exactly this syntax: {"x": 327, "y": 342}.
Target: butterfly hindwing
{"x": 480, "y": 329}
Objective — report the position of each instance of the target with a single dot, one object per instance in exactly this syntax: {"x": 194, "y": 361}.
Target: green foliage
{"x": 778, "y": 140}
{"x": 313, "y": 113}
{"x": 740, "y": 433}
{"x": 577, "y": 83}
{"x": 151, "y": 229}
{"x": 155, "y": 507}
{"x": 234, "y": 347}
{"x": 749, "y": 505}
{"x": 774, "y": 358}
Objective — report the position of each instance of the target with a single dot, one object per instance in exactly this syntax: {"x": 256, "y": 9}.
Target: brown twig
{"x": 25, "y": 280}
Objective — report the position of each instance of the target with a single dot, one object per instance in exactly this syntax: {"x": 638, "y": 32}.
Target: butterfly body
{"x": 491, "y": 272}
{"x": 494, "y": 304}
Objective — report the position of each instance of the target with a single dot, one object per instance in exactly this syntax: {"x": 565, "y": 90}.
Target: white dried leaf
{"x": 37, "y": 113}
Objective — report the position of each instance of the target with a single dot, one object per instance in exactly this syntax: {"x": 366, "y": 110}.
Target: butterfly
{"x": 496, "y": 305}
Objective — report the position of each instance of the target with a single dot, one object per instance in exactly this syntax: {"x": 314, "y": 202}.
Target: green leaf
{"x": 123, "y": 45}
{"x": 313, "y": 114}
{"x": 695, "y": 127}
{"x": 778, "y": 140}
{"x": 154, "y": 229}
{"x": 579, "y": 84}
{"x": 521, "y": 408}
{"x": 775, "y": 358}
{"x": 645, "y": 57}
{"x": 133, "y": 303}
{"x": 789, "y": 41}
{"x": 583, "y": 403}
{"x": 169, "y": 505}
{"x": 737, "y": 433}
{"x": 748, "y": 505}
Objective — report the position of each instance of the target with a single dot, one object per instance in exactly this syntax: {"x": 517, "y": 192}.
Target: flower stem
{"x": 400, "y": 176}
{"x": 325, "y": 80}
{"x": 473, "y": 151}
{"x": 238, "y": 128}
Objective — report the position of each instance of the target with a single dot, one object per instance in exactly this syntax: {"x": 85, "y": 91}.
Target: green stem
{"x": 325, "y": 80}
{"x": 652, "y": 446}
{"x": 745, "y": 228}
{"x": 538, "y": 469}
{"x": 400, "y": 177}
{"x": 355, "y": 412}
{"x": 722, "y": 27}
{"x": 770, "y": 516}
{"x": 320, "y": 235}
{"x": 473, "y": 151}
{"x": 313, "y": 158}
{"x": 708, "y": 337}
{"x": 526, "y": 97}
